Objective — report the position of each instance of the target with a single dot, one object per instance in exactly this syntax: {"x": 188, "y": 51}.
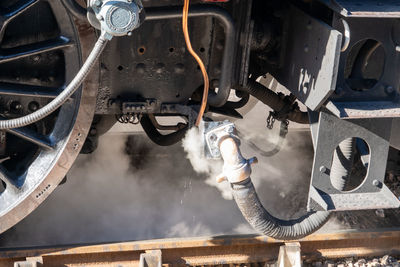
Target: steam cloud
{"x": 130, "y": 189}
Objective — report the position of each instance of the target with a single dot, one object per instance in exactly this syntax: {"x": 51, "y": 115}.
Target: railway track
{"x": 249, "y": 250}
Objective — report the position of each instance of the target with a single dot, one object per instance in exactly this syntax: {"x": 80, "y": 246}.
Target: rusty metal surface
{"x": 212, "y": 250}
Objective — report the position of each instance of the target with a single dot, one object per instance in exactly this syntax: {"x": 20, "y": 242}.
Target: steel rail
{"x": 234, "y": 250}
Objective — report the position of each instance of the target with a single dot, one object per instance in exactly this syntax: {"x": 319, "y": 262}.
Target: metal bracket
{"x": 212, "y": 132}
{"x": 310, "y": 63}
{"x": 289, "y": 255}
{"x": 372, "y": 193}
{"x": 153, "y": 106}
{"x": 152, "y": 258}
{"x": 29, "y": 262}
{"x": 148, "y": 106}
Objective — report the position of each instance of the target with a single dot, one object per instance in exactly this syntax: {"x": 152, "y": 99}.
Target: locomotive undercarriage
{"x": 340, "y": 61}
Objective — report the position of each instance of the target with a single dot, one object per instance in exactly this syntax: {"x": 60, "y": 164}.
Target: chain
{"x": 270, "y": 120}
{"x": 129, "y": 118}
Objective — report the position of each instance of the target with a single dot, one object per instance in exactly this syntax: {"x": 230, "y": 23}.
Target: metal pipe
{"x": 160, "y": 127}
{"x": 237, "y": 171}
{"x": 239, "y": 104}
{"x": 346, "y": 35}
{"x": 225, "y": 82}
{"x": 157, "y": 137}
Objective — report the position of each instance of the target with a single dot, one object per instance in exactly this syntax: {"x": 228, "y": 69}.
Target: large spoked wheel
{"x": 41, "y": 50}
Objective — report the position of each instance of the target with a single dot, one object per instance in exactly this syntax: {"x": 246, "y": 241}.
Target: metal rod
{"x": 225, "y": 82}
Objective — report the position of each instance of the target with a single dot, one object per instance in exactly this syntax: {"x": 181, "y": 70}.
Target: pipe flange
{"x": 214, "y": 133}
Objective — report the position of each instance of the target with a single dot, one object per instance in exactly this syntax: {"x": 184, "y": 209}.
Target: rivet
{"x": 179, "y": 68}
{"x": 160, "y": 68}
{"x": 322, "y": 169}
{"x": 140, "y": 68}
{"x": 389, "y": 89}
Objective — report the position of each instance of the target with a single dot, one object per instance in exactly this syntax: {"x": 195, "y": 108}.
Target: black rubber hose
{"x": 76, "y": 10}
{"x": 272, "y": 99}
{"x": 262, "y": 221}
{"x": 157, "y": 137}
{"x": 239, "y": 104}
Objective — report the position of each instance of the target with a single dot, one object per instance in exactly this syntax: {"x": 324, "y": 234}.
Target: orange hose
{"x": 198, "y": 59}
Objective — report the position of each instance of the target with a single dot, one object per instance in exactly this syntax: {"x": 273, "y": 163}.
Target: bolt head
{"x": 15, "y": 105}
{"x": 93, "y": 131}
{"x": 389, "y": 89}
{"x": 230, "y": 129}
{"x": 33, "y": 106}
{"x": 322, "y": 169}
{"x": 376, "y": 183}
{"x": 98, "y": 3}
{"x": 213, "y": 137}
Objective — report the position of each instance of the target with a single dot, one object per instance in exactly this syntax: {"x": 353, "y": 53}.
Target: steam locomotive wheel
{"x": 41, "y": 49}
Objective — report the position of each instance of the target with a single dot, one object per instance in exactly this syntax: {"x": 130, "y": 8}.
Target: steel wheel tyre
{"x": 56, "y": 147}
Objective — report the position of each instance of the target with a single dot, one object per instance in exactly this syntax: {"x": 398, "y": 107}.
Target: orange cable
{"x": 198, "y": 59}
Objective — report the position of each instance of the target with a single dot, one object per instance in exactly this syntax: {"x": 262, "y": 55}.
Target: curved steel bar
{"x": 225, "y": 82}
{"x": 78, "y": 11}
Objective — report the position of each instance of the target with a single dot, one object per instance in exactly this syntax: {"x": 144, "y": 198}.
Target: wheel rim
{"x": 57, "y": 146}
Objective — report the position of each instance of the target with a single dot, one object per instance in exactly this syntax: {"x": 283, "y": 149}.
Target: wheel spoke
{"x": 14, "y": 12}
{"x": 33, "y": 137}
{"x": 18, "y": 9}
{"x": 33, "y": 49}
{"x": 28, "y": 90}
{"x": 5, "y": 176}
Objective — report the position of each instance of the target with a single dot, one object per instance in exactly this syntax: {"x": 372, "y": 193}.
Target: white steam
{"x": 193, "y": 146}
{"x": 131, "y": 189}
